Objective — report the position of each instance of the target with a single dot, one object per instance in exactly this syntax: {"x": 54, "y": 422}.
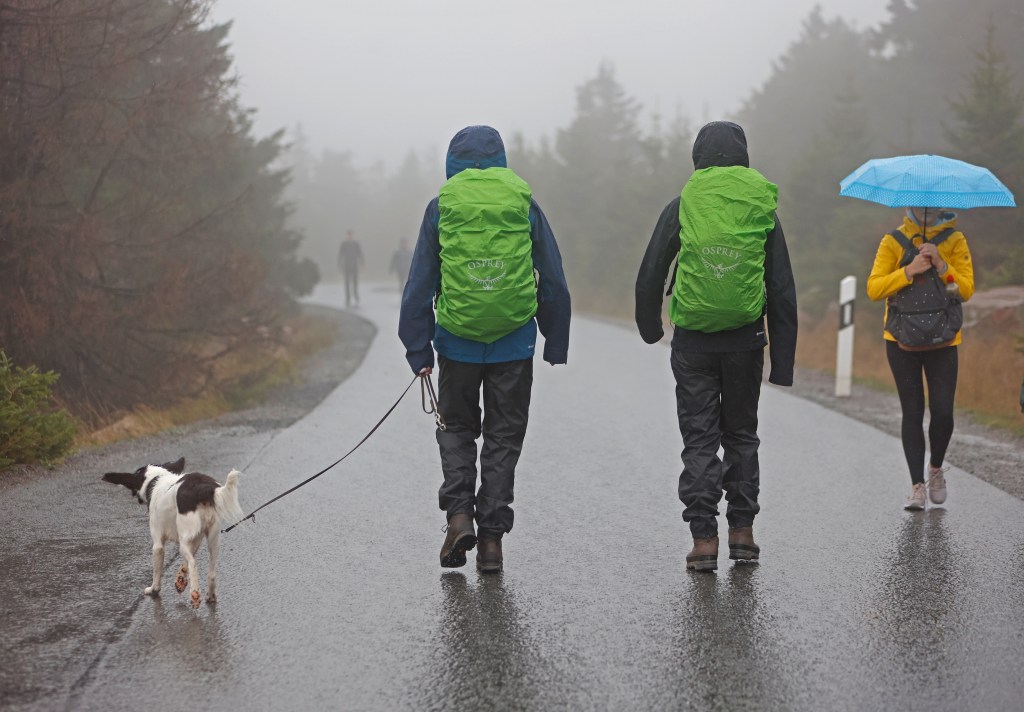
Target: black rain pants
{"x": 506, "y": 405}
{"x": 716, "y": 398}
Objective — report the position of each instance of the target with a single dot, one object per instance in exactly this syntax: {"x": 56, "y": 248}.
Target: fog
{"x": 379, "y": 78}
{"x": 140, "y": 208}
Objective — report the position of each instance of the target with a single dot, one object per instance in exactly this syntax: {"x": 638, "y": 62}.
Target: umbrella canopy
{"x": 926, "y": 181}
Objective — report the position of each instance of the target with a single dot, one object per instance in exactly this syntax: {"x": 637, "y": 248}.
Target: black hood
{"x": 720, "y": 143}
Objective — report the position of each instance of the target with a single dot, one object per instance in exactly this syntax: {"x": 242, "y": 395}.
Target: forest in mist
{"x": 145, "y": 232}
{"x": 142, "y": 227}
{"x": 941, "y": 76}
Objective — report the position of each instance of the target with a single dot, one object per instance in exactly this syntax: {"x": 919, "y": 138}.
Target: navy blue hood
{"x": 475, "y": 147}
{"x": 720, "y": 143}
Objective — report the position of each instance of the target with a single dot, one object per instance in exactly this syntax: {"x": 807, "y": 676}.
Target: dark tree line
{"x": 938, "y": 76}
{"x": 602, "y": 183}
{"x": 143, "y": 233}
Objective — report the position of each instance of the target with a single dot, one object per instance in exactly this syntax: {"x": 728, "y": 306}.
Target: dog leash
{"x": 427, "y": 393}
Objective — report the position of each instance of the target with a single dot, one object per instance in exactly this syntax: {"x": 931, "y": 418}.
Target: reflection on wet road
{"x": 334, "y": 599}
{"x": 484, "y": 655}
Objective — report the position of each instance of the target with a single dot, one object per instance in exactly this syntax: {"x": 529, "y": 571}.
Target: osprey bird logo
{"x": 483, "y": 272}
{"x": 718, "y": 270}
{"x": 488, "y": 282}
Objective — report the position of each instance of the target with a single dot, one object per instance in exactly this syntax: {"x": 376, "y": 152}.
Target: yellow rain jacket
{"x": 887, "y": 277}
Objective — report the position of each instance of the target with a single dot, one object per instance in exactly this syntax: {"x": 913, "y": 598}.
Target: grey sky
{"x": 379, "y": 77}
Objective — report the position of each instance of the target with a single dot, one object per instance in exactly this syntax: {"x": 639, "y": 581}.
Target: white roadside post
{"x": 844, "y": 344}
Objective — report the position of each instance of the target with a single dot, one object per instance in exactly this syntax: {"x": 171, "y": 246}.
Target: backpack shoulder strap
{"x": 941, "y": 237}
{"x": 908, "y": 246}
{"x": 904, "y": 241}
{"x": 909, "y": 251}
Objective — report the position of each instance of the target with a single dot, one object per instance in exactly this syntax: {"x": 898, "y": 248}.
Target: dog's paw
{"x": 211, "y": 598}
{"x": 181, "y": 580}
{"x": 150, "y": 591}
{"x": 195, "y": 599}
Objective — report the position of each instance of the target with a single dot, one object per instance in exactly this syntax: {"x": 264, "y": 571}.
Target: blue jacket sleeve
{"x": 554, "y": 307}
{"x": 416, "y": 320}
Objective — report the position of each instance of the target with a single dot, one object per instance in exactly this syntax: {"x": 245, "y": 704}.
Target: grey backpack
{"x": 924, "y": 314}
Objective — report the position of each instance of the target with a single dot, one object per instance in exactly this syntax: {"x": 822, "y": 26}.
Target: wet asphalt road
{"x": 334, "y": 598}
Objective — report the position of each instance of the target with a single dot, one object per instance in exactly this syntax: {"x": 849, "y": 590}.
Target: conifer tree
{"x": 599, "y": 204}
{"x": 829, "y": 236}
{"x": 143, "y": 227}
{"x": 988, "y": 131}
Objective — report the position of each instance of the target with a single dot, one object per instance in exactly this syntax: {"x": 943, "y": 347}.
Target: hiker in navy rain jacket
{"x": 503, "y": 369}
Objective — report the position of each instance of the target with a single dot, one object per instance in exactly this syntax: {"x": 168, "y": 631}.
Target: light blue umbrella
{"x": 926, "y": 181}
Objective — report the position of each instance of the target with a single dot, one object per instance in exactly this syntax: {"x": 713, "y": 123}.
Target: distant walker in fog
{"x": 401, "y": 260}
{"x": 350, "y": 260}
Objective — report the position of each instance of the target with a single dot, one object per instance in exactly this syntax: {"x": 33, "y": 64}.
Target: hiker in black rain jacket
{"x": 718, "y": 372}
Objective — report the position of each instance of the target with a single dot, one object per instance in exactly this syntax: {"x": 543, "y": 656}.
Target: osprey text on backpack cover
{"x": 725, "y": 215}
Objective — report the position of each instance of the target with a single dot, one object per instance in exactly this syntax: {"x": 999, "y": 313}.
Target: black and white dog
{"x": 183, "y": 509}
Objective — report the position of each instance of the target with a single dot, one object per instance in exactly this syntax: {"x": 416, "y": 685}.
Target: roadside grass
{"x": 991, "y": 362}
{"x": 991, "y": 367}
{"x": 241, "y": 380}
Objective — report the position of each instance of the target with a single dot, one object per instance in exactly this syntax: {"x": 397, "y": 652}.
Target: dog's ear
{"x": 177, "y": 467}
{"x": 131, "y": 480}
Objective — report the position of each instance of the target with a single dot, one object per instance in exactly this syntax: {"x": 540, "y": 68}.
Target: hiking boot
{"x": 704, "y": 555}
{"x": 937, "y": 484}
{"x": 916, "y": 500}
{"x": 458, "y": 539}
{"x": 741, "y": 544}
{"x": 488, "y": 556}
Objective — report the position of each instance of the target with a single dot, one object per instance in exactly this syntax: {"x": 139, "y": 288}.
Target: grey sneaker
{"x": 916, "y": 500}
{"x": 937, "y": 484}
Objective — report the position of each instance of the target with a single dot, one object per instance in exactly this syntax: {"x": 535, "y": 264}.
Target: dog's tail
{"x": 225, "y": 500}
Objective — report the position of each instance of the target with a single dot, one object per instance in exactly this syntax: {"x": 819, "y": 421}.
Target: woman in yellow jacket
{"x": 952, "y": 259}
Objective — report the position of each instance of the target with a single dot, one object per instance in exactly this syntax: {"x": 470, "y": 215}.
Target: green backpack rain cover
{"x": 487, "y": 284}
{"x": 725, "y": 215}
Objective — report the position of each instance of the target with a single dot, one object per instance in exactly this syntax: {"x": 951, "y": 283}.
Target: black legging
{"x": 940, "y": 369}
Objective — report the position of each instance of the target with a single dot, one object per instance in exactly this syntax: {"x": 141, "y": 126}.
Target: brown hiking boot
{"x": 458, "y": 539}
{"x": 704, "y": 555}
{"x": 488, "y": 556}
{"x": 741, "y": 544}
